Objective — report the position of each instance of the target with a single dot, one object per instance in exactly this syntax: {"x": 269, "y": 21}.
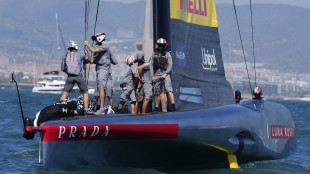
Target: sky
{"x": 300, "y": 3}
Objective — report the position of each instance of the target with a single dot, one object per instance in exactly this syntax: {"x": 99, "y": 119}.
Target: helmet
{"x": 98, "y": 37}
{"x": 161, "y": 41}
{"x": 72, "y": 44}
{"x": 257, "y": 92}
{"x": 140, "y": 60}
{"x": 161, "y": 44}
{"x": 130, "y": 60}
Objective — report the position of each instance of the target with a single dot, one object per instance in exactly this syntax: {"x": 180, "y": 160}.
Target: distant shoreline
{"x": 280, "y": 98}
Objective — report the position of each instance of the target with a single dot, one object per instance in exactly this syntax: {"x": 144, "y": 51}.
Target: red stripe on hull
{"x": 109, "y": 132}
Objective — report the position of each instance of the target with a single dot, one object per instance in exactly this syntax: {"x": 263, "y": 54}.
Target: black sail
{"x": 191, "y": 29}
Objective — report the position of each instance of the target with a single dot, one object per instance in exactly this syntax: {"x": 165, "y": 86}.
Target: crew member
{"x": 129, "y": 85}
{"x": 257, "y": 93}
{"x": 160, "y": 68}
{"x": 146, "y": 87}
{"x": 72, "y": 64}
{"x": 103, "y": 58}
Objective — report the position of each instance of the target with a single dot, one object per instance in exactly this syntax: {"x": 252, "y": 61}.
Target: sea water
{"x": 18, "y": 155}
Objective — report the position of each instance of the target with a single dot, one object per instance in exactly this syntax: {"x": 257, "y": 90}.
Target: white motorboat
{"x": 49, "y": 86}
{"x": 51, "y": 83}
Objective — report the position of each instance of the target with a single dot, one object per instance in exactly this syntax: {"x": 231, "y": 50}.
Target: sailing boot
{"x": 156, "y": 110}
{"x": 101, "y": 111}
{"x": 172, "y": 109}
{"x": 87, "y": 111}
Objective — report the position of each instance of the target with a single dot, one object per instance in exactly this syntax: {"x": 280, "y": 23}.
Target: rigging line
{"x": 87, "y": 17}
{"x": 85, "y": 27}
{"x": 94, "y": 33}
{"x": 246, "y": 66}
{"x": 253, "y": 39}
{"x": 62, "y": 39}
{"x": 87, "y": 10}
{"x": 96, "y": 17}
{"x": 86, "y": 20}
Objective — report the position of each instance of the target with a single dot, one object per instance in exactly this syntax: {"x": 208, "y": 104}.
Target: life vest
{"x": 73, "y": 63}
{"x": 160, "y": 61}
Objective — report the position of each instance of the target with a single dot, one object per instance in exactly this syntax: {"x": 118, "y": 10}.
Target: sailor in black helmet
{"x": 160, "y": 68}
{"x": 103, "y": 58}
{"x": 72, "y": 64}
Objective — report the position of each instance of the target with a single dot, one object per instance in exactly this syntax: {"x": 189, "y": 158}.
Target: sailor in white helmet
{"x": 103, "y": 58}
{"x": 72, "y": 64}
{"x": 129, "y": 85}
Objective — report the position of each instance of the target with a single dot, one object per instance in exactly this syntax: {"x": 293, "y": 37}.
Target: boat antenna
{"x": 20, "y": 103}
{"x": 246, "y": 66}
{"x": 94, "y": 33}
{"x": 253, "y": 39}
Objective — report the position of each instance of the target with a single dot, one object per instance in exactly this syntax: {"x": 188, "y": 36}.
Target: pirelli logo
{"x": 200, "y": 12}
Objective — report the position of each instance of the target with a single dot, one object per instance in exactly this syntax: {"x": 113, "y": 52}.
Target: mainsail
{"x": 198, "y": 72}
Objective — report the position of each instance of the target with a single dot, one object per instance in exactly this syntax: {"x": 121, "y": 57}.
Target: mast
{"x": 58, "y": 47}
{"x": 161, "y": 21}
{"x": 57, "y": 31}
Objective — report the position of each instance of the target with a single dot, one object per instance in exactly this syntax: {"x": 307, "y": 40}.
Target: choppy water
{"x": 21, "y": 156}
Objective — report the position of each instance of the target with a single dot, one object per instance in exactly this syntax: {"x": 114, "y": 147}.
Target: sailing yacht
{"x": 208, "y": 130}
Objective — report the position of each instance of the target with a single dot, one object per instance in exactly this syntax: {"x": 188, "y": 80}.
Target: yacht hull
{"x": 182, "y": 140}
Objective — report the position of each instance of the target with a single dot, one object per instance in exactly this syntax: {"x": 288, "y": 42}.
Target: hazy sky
{"x": 301, "y": 3}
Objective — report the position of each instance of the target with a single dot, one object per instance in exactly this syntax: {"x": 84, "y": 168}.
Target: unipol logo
{"x": 208, "y": 60}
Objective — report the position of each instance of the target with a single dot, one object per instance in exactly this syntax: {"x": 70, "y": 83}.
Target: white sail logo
{"x": 180, "y": 52}
{"x": 208, "y": 60}
{"x": 180, "y": 55}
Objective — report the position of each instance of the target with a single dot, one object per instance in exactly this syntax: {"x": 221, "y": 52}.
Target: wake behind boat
{"x": 209, "y": 128}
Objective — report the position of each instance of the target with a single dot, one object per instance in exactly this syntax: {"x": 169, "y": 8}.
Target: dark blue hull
{"x": 255, "y": 130}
